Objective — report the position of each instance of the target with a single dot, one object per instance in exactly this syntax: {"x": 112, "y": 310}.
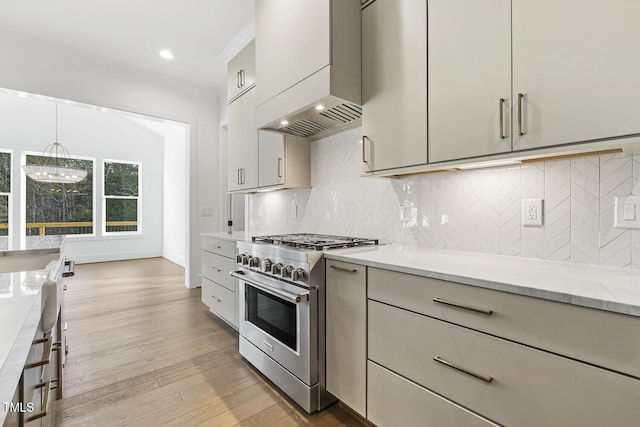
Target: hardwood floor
{"x": 145, "y": 351}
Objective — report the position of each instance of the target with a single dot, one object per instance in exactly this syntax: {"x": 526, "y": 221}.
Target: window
{"x": 121, "y": 197}
{"x": 5, "y": 190}
{"x": 54, "y": 209}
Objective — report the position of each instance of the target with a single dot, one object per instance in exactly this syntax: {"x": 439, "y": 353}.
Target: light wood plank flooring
{"x": 144, "y": 351}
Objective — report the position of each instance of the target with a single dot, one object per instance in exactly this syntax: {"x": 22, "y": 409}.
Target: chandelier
{"x": 55, "y": 164}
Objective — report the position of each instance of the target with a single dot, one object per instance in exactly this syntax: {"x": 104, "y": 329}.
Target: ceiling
{"x": 200, "y": 33}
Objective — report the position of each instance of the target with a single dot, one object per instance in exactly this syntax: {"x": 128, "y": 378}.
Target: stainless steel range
{"x": 282, "y": 311}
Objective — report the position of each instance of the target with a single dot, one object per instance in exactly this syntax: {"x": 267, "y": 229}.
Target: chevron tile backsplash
{"x": 473, "y": 210}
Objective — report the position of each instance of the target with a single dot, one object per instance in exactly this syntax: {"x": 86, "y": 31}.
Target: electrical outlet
{"x": 626, "y": 212}
{"x": 206, "y": 212}
{"x": 532, "y": 212}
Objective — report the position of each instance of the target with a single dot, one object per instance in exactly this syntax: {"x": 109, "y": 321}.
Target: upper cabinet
{"x": 575, "y": 71}
{"x": 241, "y": 71}
{"x": 469, "y": 79}
{"x": 394, "y": 84}
{"x": 283, "y": 161}
{"x": 242, "y": 143}
{"x": 308, "y": 66}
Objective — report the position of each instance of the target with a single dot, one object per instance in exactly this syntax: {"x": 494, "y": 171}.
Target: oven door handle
{"x": 287, "y": 296}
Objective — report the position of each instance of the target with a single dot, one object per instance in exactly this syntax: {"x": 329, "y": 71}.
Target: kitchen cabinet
{"x": 469, "y": 78}
{"x": 575, "y": 66}
{"x": 219, "y": 289}
{"x": 394, "y": 84}
{"x": 283, "y": 161}
{"x": 242, "y": 143}
{"x": 241, "y": 71}
{"x": 346, "y": 326}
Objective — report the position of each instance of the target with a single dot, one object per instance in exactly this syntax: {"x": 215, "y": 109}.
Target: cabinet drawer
{"x": 226, "y": 248}
{"x": 579, "y": 332}
{"x": 395, "y": 401}
{"x": 217, "y": 269}
{"x": 528, "y": 387}
{"x": 220, "y": 300}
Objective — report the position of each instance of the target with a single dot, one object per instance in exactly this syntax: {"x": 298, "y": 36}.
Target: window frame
{"x": 138, "y": 198}
{"x": 9, "y": 196}
{"x": 23, "y": 196}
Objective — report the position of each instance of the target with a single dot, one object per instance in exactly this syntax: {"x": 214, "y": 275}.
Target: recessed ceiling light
{"x": 166, "y": 54}
{"x": 284, "y": 123}
{"x": 319, "y": 107}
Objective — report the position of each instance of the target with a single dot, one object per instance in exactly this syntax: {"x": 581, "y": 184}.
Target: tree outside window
{"x": 5, "y": 190}
{"x": 121, "y": 197}
{"x": 59, "y": 209}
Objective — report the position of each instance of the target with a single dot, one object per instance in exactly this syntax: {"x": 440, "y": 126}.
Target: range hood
{"x": 308, "y": 74}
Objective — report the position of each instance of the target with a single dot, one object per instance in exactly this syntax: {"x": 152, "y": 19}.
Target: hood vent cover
{"x": 304, "y": 128}
{"x": 343, "y": 113}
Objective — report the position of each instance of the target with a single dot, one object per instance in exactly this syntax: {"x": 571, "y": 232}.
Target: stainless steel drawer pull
{"x": 216, "y": 269}
{"x": 502, "y": 119}
{"x": 46, "y": 354}
{"x": 280, "y": 167}
{"x": 216, "y": 246}
{"x": 45, "y": 402}
{"x": 335, "y": 267}
{"x": 242, "y": 80}
{"x": 216, "y": 298}
{"x": 520, "y": 131}
{"x": 238, "y": 76}
{"x": 438, "y": 359}
{"x": 466, "y": 307}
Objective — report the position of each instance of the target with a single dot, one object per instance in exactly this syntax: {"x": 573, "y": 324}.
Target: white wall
{"x": 473, "y": 210}
{"x": 174, "y": 199}
{"x": 27, "y": 125}
{"x": 52, "y": 71}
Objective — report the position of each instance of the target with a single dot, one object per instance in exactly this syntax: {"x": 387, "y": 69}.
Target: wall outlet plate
{"x": 532, "y": 212}
{"x": 627, "y": 212}
{"x": 206, "y": 212}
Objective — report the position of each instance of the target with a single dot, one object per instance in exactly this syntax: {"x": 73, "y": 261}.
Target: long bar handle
{"x": 239, "y": 183}
{"x": 216, "y": 269}
{"x": 280, "y": 167}
{"x": 216, "y": 298}
{"x": 216, "y": 246}
{"x": 294, "y": 298}
{"x": 485, "y": 378}
{"x": 502, "y": 118}
{"x": 45, "y": 402}
{"x": 238, "y": 78}
{"x": 464, "y": 306}
{"x": 364, "y": 154}
{"x": 242, "y": 79}
{"x": 520, "y": 96}
{"x": 349, "y": 270}
{"x": 46, "y": 354}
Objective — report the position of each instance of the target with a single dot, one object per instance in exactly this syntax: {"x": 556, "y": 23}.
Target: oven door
{"x": 281, "y": 320}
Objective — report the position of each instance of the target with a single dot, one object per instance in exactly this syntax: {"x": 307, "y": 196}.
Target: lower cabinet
{"x": 221, "y": 301}
{"x": 219, "y": 289}
{"x": 346, "y": 325}
{"x": 395, "y": 401}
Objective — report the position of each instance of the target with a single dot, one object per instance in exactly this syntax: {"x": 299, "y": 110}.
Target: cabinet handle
{"x": 46, "y": 354}
{"x": 466, "y": 307}
{"x": 238, "y": 78}
{"x": 279, "y": 167}
{"x": 242, "y": 81}
{"x": 349, "y": 270}
{"x": 239, "y": 183}
{"x": 501, "y": 118}
{"x": 520, "y": 96}
{"x": 45, "y": 402}
{"x": 438, "y": 359}
{"x": 216, "y": 269}
{"x": 364, "y": 154}
{"x": 216, "y": 298}
{"x": 216, "y": 246}
{"x": 242, "y": 176}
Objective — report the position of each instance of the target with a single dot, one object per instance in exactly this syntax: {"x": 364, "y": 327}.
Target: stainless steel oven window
{"x": 273, "y": 315}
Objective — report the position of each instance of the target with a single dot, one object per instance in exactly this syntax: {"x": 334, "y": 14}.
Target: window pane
{"x": 4, "y": 217}
{"x": 122, "y": 215}
{"x": 53, "y": 209}
{"x": 120, "y": 179}
{"x": 5, "y": 172}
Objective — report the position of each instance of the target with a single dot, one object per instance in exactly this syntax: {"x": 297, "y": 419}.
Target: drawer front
{"x": 528, "y": 387}
{"x": 217, "y": 269}
{"x": 220, "y": 300}
{"x": 395, "y": 401}
{"x": 578, "y": 332}
{"x": 226, "y": 248}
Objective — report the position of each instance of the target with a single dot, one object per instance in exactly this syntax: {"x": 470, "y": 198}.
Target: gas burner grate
{"x": 317, "y": 242}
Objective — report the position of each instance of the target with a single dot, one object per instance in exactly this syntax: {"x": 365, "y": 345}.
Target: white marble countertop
{"x": 235, "y": 236}
{"x": 605, "y": 288}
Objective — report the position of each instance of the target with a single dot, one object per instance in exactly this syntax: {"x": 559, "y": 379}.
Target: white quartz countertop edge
{"x": 604, "y": 288}
{"x": 235, "y": 236}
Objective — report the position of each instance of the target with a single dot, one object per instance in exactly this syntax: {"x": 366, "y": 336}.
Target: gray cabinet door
{"x": 394, "y": 84}
{"x": 234, "y": 146}
{"x": 249, "y": 153}
{"x": 469, "y": 73}
{"x": 271, "y": 158}
{"x": 234, "y": 87}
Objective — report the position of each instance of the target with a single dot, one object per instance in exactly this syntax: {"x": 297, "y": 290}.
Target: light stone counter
{"x": 235, "y": 236}
{"x": 605, "y": 288}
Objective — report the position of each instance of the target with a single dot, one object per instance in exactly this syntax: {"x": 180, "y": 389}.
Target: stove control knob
{"x": 276, "y": 268}
{"x": 265, "y": 265}
{"x": 254, "y": 262}
{"x": 246, "y": 259}
{"x": 286, "y": 271}
{"x": 297, "y": 274}
{"x": 239, "y": 258}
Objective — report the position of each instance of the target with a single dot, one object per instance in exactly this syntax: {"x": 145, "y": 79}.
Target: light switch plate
{"x": 532, "y": 212}
{"x": 627, "y": 211}
{"x": 206, "y": 212}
